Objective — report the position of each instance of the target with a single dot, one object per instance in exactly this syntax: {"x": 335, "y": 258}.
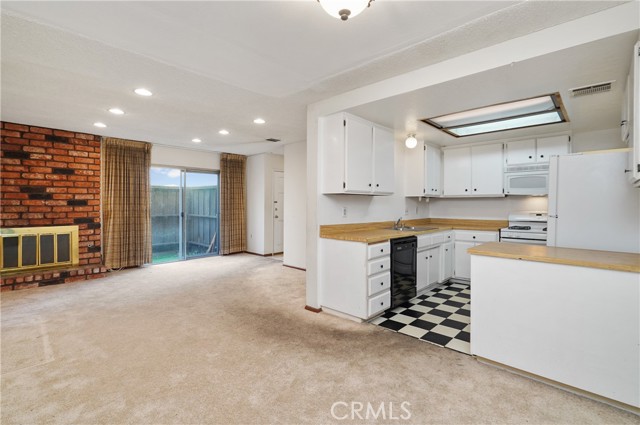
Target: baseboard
{"x": 583, "y": 393}
{"x": 294, "y": 267}
{"x": 313, "y": 309}
{"x": 262, "y": 255}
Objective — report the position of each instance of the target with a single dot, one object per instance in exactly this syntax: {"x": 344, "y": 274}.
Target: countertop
{"x": 608, "y": 260}
{"x": 382, "y": 231}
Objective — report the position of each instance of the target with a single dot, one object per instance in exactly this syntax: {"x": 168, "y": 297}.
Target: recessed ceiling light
{"x": 143, "y": 92}
{"x": 99, "y": 124}
{"x": 259, "y": 121}
{"x": 116, "y": 111}
{"x": 196, "y": 140}
{"x": 223, "y": 132}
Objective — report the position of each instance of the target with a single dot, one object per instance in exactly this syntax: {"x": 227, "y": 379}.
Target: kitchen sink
{"x": 413, "y": 228}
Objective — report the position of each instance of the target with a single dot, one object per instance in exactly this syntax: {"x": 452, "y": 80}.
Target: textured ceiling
{"x": 214, "y": 65}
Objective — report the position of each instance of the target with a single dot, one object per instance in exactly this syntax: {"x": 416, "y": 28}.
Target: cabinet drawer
{"x": 380, "y": 265}
{"x": 379, "y": 303}
{"x": 378, "y": 250}
{"x": 379, "y": 283}
{"x": 425, "y": 240}
{"x": 471, "y": 236}
{"x": 437, "y": 238}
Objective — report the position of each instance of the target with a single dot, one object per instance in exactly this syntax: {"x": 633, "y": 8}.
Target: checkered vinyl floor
{"x": 440, "y": 316}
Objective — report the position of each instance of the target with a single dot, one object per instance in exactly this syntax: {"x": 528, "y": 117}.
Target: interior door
{"x": 278, "y": 212}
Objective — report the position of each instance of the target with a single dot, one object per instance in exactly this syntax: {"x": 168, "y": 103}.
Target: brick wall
{"x": 52, "y": 177}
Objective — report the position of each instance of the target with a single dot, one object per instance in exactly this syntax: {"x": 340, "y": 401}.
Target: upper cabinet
{"x": 535, "y": 151}
{"x": 423, "y": 170}
{"x": 357, "y": 156}
{"x": 473, "y": 171}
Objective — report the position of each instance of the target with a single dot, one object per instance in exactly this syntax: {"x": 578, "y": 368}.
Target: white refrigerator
{"x": 592, "y": 205}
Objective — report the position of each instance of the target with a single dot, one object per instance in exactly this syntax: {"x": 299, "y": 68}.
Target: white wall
{"x": 486, "y": 208}
{"x": 260, "y": 170}
{"x": 295, "y": 204}
{"x": 185, "y": 158}
{"x": 597, "y": 140}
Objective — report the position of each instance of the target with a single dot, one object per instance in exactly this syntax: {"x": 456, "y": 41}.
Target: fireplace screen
{"x": 38, "y": 247}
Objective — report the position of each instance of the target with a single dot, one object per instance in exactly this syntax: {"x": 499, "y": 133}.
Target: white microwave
{"x": 531, "y": 182}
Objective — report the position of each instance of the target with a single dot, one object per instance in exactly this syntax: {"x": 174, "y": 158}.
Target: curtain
{"x": 126, "y": 212}
{"x": 233, "y": 204}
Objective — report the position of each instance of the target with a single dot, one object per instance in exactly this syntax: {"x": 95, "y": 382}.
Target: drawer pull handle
{"x": 381, "y": 283}
{"x": 474, "y": 237}
{"x": 530, "y": 156}
{"x": 381, "y": 266}
{"x": 381, "y": 249}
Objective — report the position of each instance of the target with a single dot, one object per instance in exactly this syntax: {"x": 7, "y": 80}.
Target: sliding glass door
{"x": 184, "y": 213}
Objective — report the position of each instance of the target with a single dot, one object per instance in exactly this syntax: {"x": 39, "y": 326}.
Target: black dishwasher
{"x": 403, "y": 269}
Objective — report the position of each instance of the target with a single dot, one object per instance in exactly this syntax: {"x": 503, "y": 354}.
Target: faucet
{"x": 398, "y": 224}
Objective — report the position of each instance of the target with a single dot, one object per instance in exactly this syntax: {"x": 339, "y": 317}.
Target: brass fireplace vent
{"x": 27, "y": 248}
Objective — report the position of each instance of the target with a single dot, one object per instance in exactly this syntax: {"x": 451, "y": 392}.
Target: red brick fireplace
{"x": 51, "y": 178}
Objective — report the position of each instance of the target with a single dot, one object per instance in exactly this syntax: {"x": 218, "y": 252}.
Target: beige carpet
{"x": 226, "y": 340}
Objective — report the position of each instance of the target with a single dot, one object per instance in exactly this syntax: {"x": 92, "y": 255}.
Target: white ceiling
{"x": 214, "y": 65}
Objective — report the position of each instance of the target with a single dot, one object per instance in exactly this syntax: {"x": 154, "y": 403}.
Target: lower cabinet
{"x": 355, "y": 277}
{"x": 428, "y": 267}
{"x": 447, "y": 256}
{"x": 465, "y": 239}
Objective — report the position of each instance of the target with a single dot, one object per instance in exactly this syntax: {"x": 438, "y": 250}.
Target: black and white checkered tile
{"x": 440, "y": 316}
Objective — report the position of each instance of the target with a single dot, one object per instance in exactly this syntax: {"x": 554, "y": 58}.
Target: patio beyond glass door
{"x": 184, "y": 214}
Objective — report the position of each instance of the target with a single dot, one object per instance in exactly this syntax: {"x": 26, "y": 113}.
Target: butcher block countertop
{"x": 382, "y": 231}
{"x": 608, "y": 260}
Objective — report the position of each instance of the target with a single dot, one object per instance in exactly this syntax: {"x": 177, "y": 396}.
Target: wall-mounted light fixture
{"x": 411, "y": 141}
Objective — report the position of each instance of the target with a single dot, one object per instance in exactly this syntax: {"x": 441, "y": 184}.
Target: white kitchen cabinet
{"x": 473, "y": 170}
{"x": 446, "y": 262}
{"x": 383, "y": 167}
{"x": 428, "y": 267}
{"x": 486, "y": 170}
{"x": 536, "y": 151}
{"x": 355, "y": 277}
{"x": 423, "y": 170}
{"x": 465, "y": 239}
{"x": 357, "y": 156}
{"x": 457, "y": 172}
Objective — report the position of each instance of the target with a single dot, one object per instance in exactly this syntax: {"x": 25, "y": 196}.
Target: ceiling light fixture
{"x": 259, "y": 121}
{"x": 116, "y": 111}
{"x": 344, "y": 9}
{"x": 196, "y": 140}
{"x": 143, "y": 92}
{"x": 411, "y": 141}
{"x": 541, "y": 110}
{"x": 100, "y": 124}
{"x": 223, "y": 132}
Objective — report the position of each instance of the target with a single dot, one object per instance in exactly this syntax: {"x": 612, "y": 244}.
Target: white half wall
{"x": 185, "y": 158}
{"x": 260, "y": 170}
{"x": 485, "y": 208}
{"x": 295, "y": 205}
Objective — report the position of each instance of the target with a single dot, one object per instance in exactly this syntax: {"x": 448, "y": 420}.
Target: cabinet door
{"x": 457, "y": 172}
{"x": 462, "y": 266}
{"x": 383, "y": 161}
{"x": 558, "y": 145}
{"x": 434, "y": 265}
{"x": 358, "y": 156}
{"x": 521, "y": 152}
{"x": 433, "y": 160}
{"x": 422, "y": 270}
{"x": 486, "y": 170}
{"x": 446, "y": 261}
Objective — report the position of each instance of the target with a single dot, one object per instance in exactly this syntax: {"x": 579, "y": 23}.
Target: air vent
{"x": 592, "y": 89}
{"x": 271, "y": 139}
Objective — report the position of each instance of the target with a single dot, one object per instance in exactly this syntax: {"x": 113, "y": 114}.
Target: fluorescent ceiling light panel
{"x": 532, "y": 112}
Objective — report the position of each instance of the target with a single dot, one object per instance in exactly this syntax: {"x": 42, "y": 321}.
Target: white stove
{"x": 528, "y": 227}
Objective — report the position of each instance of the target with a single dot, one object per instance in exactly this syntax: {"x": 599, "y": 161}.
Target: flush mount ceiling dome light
{"x": 541, "y": 110}
{"x": 411, "y": 141}
{"x": 344, "y": 9}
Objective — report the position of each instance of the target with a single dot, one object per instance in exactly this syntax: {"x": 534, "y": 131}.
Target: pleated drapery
{"x": 233, "y": 203}
{"x": 126, "y": 212}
